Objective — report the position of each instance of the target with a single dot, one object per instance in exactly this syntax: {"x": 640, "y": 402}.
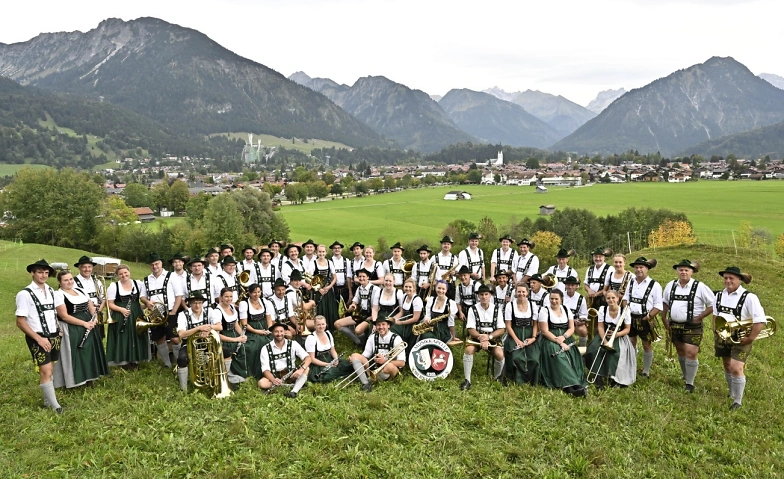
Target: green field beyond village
{"x": 140, "y": 425}
{"x": 423, "y": 213}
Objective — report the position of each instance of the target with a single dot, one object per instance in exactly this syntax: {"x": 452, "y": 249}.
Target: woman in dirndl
{"x": 390, "y": 298}
{"x": 124, "y": 346}
{"x": 618, "y": 364}
{"x": 521, "y": 346}
{"x": 410, "y": 312}
{"x": 436, "y": 308}
{"x": 327, "y": 305}
{"x": 560, "y": 362}
{"x": 81, "y": 362}
{"x": 255, "y": 314}
{"x": 232, "y": 336}
{"x": 325, "y": 364}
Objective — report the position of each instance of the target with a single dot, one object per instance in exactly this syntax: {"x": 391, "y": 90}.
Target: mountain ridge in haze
{"x": 708, "y": 100}
{"x": 180, "y": 78}
{"x": 774, "y": 80}
{"x": 604, "y": 98}
{"x": 496, "y": 121}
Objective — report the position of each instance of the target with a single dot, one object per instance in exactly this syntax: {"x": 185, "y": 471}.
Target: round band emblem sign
{"x": 430, "y": 359}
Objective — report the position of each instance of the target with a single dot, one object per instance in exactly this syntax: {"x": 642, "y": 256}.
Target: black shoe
{"x": 61, "y": 409}
{"x": 466, "y": 385}
{"x": 367, "y": 387}
{"x": 646, "y": 375}
{"x": 501, "y": 380}
{"x": 291, "y": 394}
{"x": 690, "y": 388}
{"x": 735, "y": 405}
{"x": 579, "y": 392}
{"x": 234, "y": 386}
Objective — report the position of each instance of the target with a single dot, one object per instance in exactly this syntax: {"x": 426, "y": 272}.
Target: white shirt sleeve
{"x": 243, "y": 309}
{"x": 111, "y": 292}
{"x": 369, "y": 346}
{"x": 310, "y": 343}
{"x": 215, "y": 316}
{"x": 265, "y": 360}
{"x": 508, "y": 311}
{"x": 59, "y": 298}
{"x": 417, "y": 304}
{"x": 428, "y": 307}
{"x": 182, "y": 322}
{"x": 298, "y": 351}
{"x": 402, "y": 355}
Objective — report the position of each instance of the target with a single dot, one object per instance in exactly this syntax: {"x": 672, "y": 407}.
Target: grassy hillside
{"x": 710, "y": 205}
{"x": 139, "y": 425}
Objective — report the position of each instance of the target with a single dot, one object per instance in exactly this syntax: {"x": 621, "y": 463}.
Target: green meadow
{"x": 297, "y": 143}
{"x": 422, "y": 212}
{"x": 10, "y": 170}
{"x": 139, "y": 425}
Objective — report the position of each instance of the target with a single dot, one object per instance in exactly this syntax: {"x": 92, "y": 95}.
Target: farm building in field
{"x": 145, "y": 214}
{"x": 546, "y": 210}
{"x": 457, "y": 195}
{"x": 541, "y": 189}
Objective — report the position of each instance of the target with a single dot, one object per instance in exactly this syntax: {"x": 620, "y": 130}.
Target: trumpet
{"x": 423, "y": 327}
{"x": 607, "y": 347}
{"x": 371, "y": 369}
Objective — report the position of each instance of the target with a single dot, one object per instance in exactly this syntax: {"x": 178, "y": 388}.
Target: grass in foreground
{"x": 140, "y": 425}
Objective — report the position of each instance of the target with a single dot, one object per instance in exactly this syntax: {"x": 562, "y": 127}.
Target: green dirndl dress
{"x": 123, "y": 344}
{"x": 405, "y": 330}
{"x": 255, "y": 342}
{"x": 560, "y": 370}
{"x": 609, "y": 361}
{"x": 236, "y": 351}
{"x": 522, "y": 365}
{"x": 441, "y": 328}
{"x": 327, "y": 305}
{"x": 79, "y": 365}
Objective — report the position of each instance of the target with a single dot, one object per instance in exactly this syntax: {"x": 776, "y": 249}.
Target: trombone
{"x": 371, "y": 369}
{"x": 607, "y": 347}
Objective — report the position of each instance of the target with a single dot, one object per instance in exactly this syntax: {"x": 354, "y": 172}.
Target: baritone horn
{"x": 207, "y": 369}
{"x": 549, "y": 281}
{"x": 731, "y": 329}
{"x": 408, "y": 267}
{"x": 243, "y": 282}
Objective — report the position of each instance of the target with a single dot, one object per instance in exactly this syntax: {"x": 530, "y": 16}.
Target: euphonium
{"x": 422, "y": 328}
{"x": 157, "y": 316}
{"x": 207, "y": 369}
{"x": 732, "y": 329}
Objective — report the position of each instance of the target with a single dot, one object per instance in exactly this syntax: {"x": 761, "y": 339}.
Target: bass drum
{"x": 430, "y": 359}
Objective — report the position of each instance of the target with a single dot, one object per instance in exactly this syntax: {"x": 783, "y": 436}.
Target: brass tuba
{"x": 731, "y": 329}
{"x": 154, "y": 317}
{"x": 207, "y": 369}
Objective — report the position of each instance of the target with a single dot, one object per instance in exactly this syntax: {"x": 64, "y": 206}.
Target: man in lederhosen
{"x": 343, "y": 273}
{"x": 284, "y": 308}
{"x": 277, "y": 258}
{"x": 36, "y": 317}
{"x": 503, "y": 290}
{"x": 644, "y": 297}
{"x": 357, "y": 261}
{"x": 226, "y": 278}
{"x": 268, "y": 273}
{"x": 179, "y": 274}
{"x": 562, "y": 270}
{"x": 93, "y": 288}
{"x": 162, "y": 288}
{"x": 194, "y": 319}
{"x": 394, "y": 265}
{"x": 686, "y": 303}
{"x": 226, "y": 249}
{"x": 308, "y": 260}
{"x": 421, "y": 271}
{"x": 279, "y": 357}
{"x": 474, "y": 258}
{"x": 485, "y": 325}
{"x": 538, "y": 293}
{"x": 527, "y": 263}
{"x": 445, "y": 262}
{"x": 198, "y": 281}
{"x": 503, "y": 258}
{"x": 465, "y": 294}
{"x": 597, "y": 278}
{"x": 249, "y": 264}
{"x": 213, "y": 261}
{"x": 741, "y": 304}
{"x": 377, "y": 349}
{"x": 577, "y": 305}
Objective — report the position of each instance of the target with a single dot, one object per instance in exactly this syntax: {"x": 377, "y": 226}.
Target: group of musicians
{"x": 275, "y": 309}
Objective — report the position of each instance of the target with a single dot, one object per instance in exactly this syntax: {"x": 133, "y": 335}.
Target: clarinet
{"x": 94, "y": 319}
{"x": 283, "y": 381}
{"x": 329, "y": 366}
{"x": 552, "y": 355}
{"x": 239, "y": 345}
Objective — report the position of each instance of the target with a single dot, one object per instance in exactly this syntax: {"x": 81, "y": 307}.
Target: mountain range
{"x": 774, "y": 80}
{"x": 496, "y": 121}
{"x": 181, "y": 78}
{"x": 703, "y": 102}
{"x": 558, "y": 112}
